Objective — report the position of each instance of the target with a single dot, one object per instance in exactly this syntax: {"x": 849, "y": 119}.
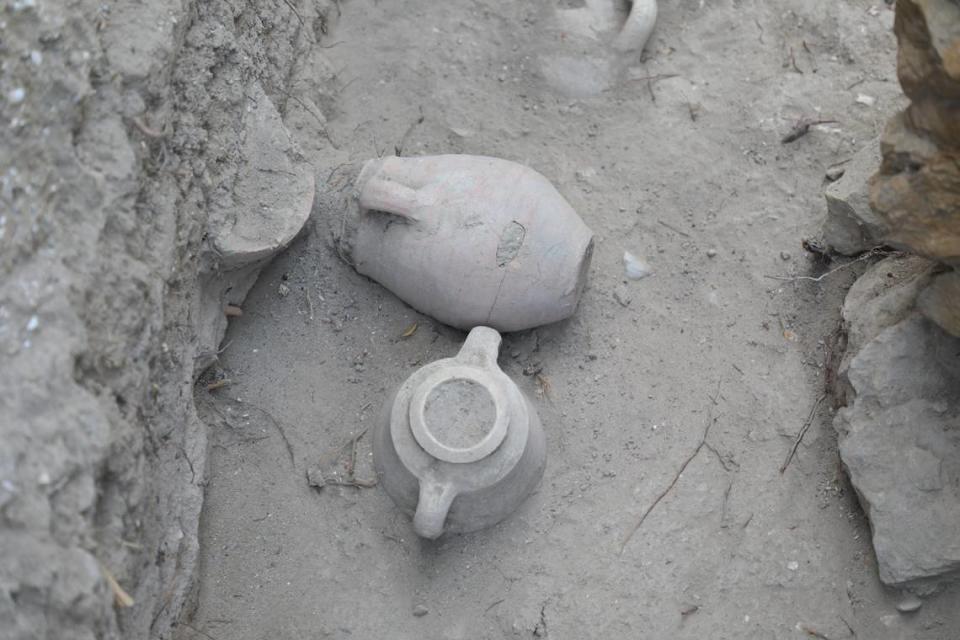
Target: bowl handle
{"x": 481, "y": 348}
{"x": 432, "y": 507}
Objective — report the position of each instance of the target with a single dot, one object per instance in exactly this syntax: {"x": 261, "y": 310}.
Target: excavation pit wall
{"x": 133, "y": 207}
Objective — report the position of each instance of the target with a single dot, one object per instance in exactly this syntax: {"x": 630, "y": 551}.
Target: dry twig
{"x": 801, "y": 433}
{"x": 145, "y": 129}
{"x": 873, "y": 252}
{"x": 793, "y": 61}
{"x": 121, "y": 597}
{"x": 294, "y": 9}
{"x": 218, "y": 384}
{"x": 801, "y": 129}
{"x": 676, "y": 478}
{"x": 674, "y": 229}
{"x": 814, "y": 633}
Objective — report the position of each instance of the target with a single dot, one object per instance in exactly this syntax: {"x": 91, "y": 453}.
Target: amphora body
{"x": 469, "y": 240}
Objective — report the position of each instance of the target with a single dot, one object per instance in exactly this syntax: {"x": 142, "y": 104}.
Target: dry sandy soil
{"x": 675, "y": 157}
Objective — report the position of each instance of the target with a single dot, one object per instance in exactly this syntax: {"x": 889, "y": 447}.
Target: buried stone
{"x": 900, "y": 444}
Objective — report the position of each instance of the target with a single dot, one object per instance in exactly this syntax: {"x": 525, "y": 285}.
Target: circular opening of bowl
{"x": 459, "y": 413}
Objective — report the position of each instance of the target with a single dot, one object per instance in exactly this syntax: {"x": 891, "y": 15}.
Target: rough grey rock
{"x": 940, "y": 301}
{"x": 851, "y": 226}
{"x": 880, "y": 298}
{"x": 900, "y": 444}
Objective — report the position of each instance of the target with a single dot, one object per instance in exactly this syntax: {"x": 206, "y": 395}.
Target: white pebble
{"x": 634, "y": 267}
{"x": 793, "y": 565}
{"x": 17, "y": 95}
{"x": 33, "y": 323}
{"x": 864, "y": 99}
{"x": 909, "y": 604}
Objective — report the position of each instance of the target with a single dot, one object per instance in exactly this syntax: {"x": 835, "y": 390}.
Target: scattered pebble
{"x": 909, "y": 604}
{"x": 33, "y": 323}
{"x": 835, "y": 172}
{"x": 635, "y": 268}
{"x": 866, "y": 100}
{"x": 622, "y": 298}
{"x": 283, "y": 290}
{"x": 785, "y": 255}
{"x": 793, "y": 565}
{"x": 16, "y": 96}
{"x": 419, "y": 611}
{"x": 711, "y": 253}
{"x": 315, "y": 478}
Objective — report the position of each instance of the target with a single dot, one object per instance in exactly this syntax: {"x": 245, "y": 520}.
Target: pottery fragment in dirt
{"x": 469, "y": 240}
{"x": 637, "y": 29}
{"x": 459, "y": 446}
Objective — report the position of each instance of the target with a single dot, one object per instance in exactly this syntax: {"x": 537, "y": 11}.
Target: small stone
{"x": 419, "y": 611}
{"x": 17, "y": 95}
{"x": 533, "y": 369}
{"x": 835, "y": 172}
{"x": 793, "y": 565}
{"x": 283, "y": 290}
{"x": 711, "y": 253}
{"x": 866, "y": 100}
{"x": 785, "y": 255}
{"x": 315, "y": 478}
{"x": 909, "y": 604}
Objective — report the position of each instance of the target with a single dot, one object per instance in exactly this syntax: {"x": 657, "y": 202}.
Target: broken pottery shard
{"x": 638, "y": 27}
{"x": 900, "y": 444}
{"x": 469, "y": 240}
{"x": 269, "y": 202}
{"x": 851, "y": 226}
{"x": 273, "y": 193}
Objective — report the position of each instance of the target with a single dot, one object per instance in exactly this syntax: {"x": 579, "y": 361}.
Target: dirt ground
{"x": 675, "y": 157}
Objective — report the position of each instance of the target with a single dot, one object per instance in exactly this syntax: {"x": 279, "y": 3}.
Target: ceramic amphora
{"x": 469, "y": 240}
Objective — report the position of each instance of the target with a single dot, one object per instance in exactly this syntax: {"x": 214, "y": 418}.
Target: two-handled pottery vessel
{"x": 470, "y": 240}
{"x": 459, "y": 446}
